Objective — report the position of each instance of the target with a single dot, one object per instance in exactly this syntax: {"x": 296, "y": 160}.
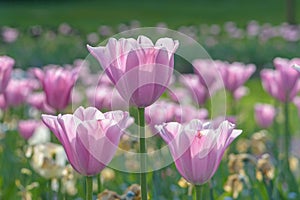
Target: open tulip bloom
{"x": 197, "y": 148}
{"x": 89, "y": 137}
{"x": 140, "y": 70}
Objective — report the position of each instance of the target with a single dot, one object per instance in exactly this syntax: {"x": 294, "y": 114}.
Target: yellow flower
{"x": 264, "y": 169}
{"x": 183, "y": 183}
{"x": 107, "y": 174}
{"x": 234, "y": 184}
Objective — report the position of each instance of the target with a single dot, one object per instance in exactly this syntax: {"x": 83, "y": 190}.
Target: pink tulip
{"x": 104, "y": 80}
{"x": 105, "y": 97}
{"x": 57, "y": 83}
{"x": 9, "y": 34}
{"x": 236, "y": 74}
{"x": 6, "y": 65}
{"x": 198, "y": 91}
{"x": 208, "y": 73}
{"x": 289, "y": 76}
{"x": 140, "y": 70}
{"x": 196, "y": 148}
{"x": 158, "y": 113}
{"x": 17, "y": 91}
{"x": 283, "y": 82}
{"x": 89, "y": 137}
{"x": 185, "y": 113}
{"x": 264, "y": 115}
{"x": 26, "y": 128}
{"x": 38, "y": 101}
{"x": 179, "y": 95}
{"x": 240, "y": 92}
{"x": 3, "y": 104}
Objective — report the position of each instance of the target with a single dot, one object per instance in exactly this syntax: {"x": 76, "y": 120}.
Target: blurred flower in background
{"x": 6, "y": 66}
{"x": 264, "y": 115}
{"x": 57, "y": 83}
{"x": 9, "y": 34}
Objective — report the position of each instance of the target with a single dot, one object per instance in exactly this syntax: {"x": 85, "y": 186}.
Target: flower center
{"x": 199, "y": 134}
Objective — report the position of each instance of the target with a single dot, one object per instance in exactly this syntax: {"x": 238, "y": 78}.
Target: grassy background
{"x": 88, "y": 16}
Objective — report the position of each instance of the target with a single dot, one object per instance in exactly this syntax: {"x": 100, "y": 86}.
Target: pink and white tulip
{"x": 89, "y": 137}
{"x": 139, "y": 69}
{"x": 197, "y": 148}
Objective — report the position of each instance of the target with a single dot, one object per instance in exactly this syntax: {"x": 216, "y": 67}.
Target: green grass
{"x": 88, "y": 16}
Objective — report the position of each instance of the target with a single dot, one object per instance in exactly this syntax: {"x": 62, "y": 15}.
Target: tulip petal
{"x": 90, "y": 113}
{"x": 52, "y": 123}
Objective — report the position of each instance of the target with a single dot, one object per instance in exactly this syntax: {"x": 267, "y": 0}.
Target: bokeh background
{"x": 40, "y": 32}
{"x": 221, "y": 26}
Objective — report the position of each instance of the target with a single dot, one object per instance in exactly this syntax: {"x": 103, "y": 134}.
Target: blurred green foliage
{"x": 87, "y": 16}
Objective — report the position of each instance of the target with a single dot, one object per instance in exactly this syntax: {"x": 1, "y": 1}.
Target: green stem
{"x": 143, "y": 174}
{"x": 99, "y": 183}
{"x": 276, "y": 134}
{"x": 89, "y": 188}
{"x": 50, "y": 193}
{"x": 287, "y": 141}
{"x": 198, "y": 189}
{"x": 287, "y": 136}
{"x": 269, "y": 188}
{"x": 233, "y": 105}
{"x": 211, "y": 191}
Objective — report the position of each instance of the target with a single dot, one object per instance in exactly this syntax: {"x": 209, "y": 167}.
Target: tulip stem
{"x": 50, "y": 193}
{"x": 143, "y": 174}
{"x": 99, "y": 183}
{"x": 287, "y": 138}
{"x": 198, "y": 189}
{"x": 89, "y": 187}
{"x": 287, "y": 142}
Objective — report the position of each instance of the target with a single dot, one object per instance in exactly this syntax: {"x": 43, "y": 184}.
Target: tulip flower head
{"x": 198, "y": 91}
{"x": 264, "y": 115}
{"x": 38, "y": 101}
{"x": 283, "y": 82}
{"x": 17, "y": 91}
{"x": 26, "y": 128}
{"x": 139, "y": 69}
{"x": 89, "y": 137}
{"x": 57, "y": 84}
{"x": 6, "y": 65}
{"x": 105, "y": 97}
{"x": 208, "y": 73}
{"x": 235, "y": 75}
{"x": 197, "y": 148}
